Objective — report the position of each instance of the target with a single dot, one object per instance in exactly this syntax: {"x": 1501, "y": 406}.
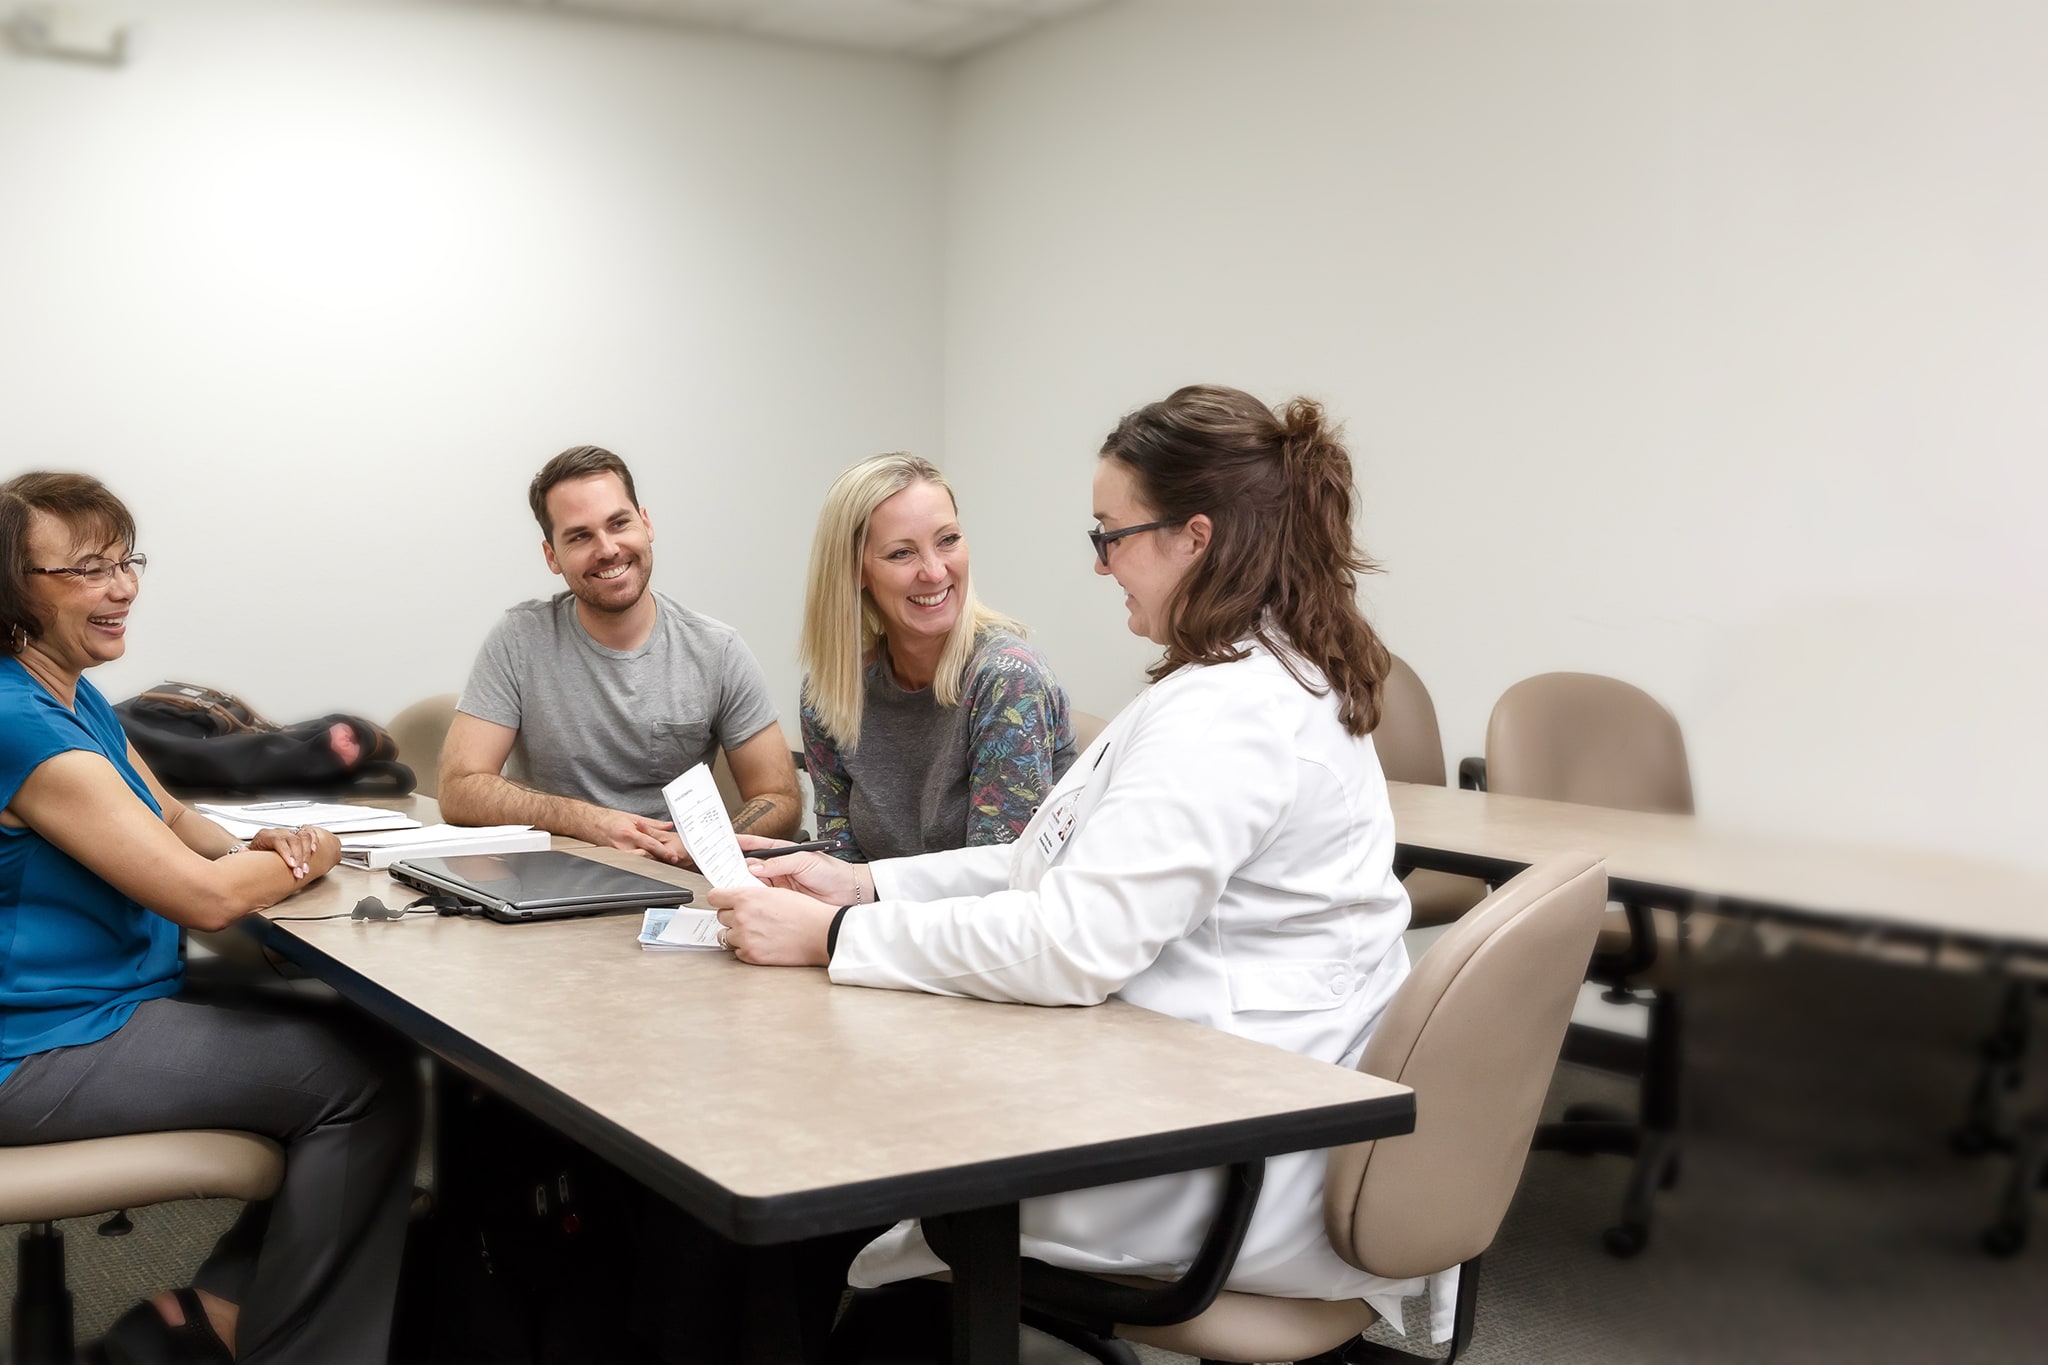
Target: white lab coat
{"x": 1229, "y": 862}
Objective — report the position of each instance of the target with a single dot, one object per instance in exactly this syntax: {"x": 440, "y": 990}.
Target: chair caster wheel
{"x": 1625, "y": 1240}
{"x": 2004, "y": 1239}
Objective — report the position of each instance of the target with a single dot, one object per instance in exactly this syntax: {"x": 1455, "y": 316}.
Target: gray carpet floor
{"x": 1820, "y": 1216}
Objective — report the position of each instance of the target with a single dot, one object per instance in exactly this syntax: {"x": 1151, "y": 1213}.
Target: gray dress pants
{"x": 314, "y": 1268}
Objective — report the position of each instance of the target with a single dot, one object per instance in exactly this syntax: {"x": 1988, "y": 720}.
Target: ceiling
{"x": 937, "y": 30}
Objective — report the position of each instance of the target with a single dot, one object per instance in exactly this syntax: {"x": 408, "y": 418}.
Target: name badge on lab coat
{"x": 1059, "y": 824}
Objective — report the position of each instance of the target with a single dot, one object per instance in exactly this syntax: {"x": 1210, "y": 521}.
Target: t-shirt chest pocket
{"x": 678, "y": 745}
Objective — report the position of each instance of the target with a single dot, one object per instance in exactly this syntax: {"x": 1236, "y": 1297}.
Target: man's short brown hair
{"x": 577, "y": 462}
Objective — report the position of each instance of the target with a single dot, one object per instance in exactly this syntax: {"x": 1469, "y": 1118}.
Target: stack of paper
{"x": 383, "y": 848}
{"x": 244, "y": 821}
{"x": 668, "y": 928}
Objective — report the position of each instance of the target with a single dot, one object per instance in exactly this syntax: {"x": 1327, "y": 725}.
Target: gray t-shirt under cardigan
{"x": 925, "y": 777}
{"x": 608, "y": 726}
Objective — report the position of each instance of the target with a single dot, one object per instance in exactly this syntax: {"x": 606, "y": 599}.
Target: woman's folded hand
{"x": 308, "y": 852}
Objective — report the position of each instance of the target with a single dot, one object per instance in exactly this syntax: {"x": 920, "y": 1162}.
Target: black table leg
{"x": 773, "y": 1331}
{"x": 983, "y": 1252}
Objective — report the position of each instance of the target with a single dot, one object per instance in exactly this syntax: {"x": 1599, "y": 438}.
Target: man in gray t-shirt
{"x": 581, "y": 707}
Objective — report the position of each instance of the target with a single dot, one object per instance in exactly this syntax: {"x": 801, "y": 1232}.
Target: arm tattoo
{"x": 751, "y": 814}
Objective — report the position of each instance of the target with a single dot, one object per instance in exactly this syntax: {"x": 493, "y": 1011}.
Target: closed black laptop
{"x": 514, "y": 888}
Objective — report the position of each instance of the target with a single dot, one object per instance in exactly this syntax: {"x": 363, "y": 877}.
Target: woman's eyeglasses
{"x": 1102, "y": 539}
{"x": 97, "y": 574}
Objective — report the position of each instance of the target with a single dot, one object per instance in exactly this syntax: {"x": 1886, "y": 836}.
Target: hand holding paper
{"x": 705, "y": 828}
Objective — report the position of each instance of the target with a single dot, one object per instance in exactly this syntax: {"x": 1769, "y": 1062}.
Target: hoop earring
{"x": 17, "y": 638}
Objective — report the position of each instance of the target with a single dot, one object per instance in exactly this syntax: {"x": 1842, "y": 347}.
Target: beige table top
{"x": 773, "y": 1104}
{"x": 1685, "y": 861}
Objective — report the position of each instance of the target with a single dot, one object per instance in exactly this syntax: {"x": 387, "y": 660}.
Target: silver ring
{"x": 724, "y": 939}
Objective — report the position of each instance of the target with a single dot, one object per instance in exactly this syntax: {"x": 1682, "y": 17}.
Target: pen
{"x": 815, "y": 846}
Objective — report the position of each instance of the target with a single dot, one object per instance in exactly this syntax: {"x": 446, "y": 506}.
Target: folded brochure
{"x": 668, "y": 928}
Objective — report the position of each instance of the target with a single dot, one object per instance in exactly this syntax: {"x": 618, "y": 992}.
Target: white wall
{"x": 316, "y": 288}
{"x": 1697, "y": 343}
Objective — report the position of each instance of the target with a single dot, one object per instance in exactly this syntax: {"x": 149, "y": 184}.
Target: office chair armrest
{"x": 1472, "y": 774}
{"x": 1099, "y": 1305}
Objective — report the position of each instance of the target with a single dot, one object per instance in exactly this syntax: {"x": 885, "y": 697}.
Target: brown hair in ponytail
{"x": 1281, "y": 560}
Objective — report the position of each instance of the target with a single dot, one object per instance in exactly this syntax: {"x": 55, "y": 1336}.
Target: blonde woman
{"x": 928, "y": 723}
{"x": 1224, "y": 854}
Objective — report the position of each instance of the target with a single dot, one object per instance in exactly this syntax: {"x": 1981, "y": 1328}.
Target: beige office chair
{"x": 420, "y": 729}
{"x": 41, "y": 1184}
{"x": 1475, "y": 1030}
{"x": 1087, "y": 728}
{"x": 1411, "y": 749}
{"x": 1601, "y": 742}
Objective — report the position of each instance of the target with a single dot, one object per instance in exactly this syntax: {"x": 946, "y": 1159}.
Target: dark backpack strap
{"x": 224, "y": 713}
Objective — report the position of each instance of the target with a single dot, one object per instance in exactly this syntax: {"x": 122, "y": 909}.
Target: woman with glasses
{"x": 100, "y": 872}
{"x": 928, "y": 722}
{"x": 1224, "y": 853}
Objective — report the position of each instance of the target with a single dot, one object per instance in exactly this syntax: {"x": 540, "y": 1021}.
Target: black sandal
{"x": 140, "y": 1336}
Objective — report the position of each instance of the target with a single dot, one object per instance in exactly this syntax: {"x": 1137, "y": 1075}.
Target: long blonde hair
{"x": 841, "y": 622}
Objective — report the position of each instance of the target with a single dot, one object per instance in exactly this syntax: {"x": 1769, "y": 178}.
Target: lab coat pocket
{"x": 1293, "y": 987}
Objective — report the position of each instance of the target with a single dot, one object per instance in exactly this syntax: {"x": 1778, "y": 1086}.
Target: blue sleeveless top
{"x": 76, "y": 956}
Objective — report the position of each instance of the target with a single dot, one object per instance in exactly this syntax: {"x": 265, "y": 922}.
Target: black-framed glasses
{"x": 96, "y": 575}
{"x": 1102, "y": 539}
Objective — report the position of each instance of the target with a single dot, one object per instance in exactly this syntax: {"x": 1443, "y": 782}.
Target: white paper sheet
{"x": 242, "y": 821}
{"x": 706, "y": 830}
{"x": 427, "y": 834}
{"x": 439, "y": 841}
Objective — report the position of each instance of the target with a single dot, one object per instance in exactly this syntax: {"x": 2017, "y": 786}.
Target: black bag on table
{"x": 199, "y": 738}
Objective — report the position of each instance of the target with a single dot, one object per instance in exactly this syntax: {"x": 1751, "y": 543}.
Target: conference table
{"x": 1912, "y": 906}
{"x": 1948, "y": 909}
{"x": 773, "y": 1106}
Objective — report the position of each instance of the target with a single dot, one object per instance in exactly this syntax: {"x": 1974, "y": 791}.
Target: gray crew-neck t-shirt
{"x": 608, "y": 726}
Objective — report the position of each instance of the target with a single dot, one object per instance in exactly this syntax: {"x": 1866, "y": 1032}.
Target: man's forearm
{"x": 492, "y": 799}
{"x": 774, "y": 816}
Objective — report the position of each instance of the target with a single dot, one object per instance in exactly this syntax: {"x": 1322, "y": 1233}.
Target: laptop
{"x": 515, "y": 888}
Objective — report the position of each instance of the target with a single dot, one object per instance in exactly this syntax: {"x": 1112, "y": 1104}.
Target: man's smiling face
{"x": 602, "y": 545}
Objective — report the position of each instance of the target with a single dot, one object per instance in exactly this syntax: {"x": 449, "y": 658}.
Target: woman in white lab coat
{"x": 1223, "y": 851}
